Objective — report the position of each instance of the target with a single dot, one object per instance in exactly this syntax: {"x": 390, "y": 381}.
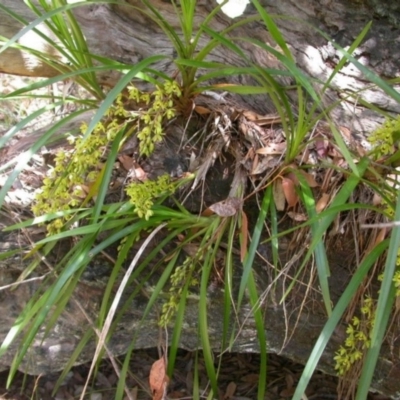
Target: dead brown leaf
{"x": 126, "y": 161}
{"x": 299, "y": 217}
{"x": 308, "y": 178}
{"x": 137, "y": 173}
{"x": 262, "y": 119}
{"x": 250, "y": 378}
{"x": 322, "y": 147}
{"x": 230, "y": 391}
{"x": 272, "y": 148}
{"x": 266, "y": 162}
{"x": 202, "y": 110}
{"x": 227, "y": 207}
{"x": 158, "y": 379}
{"x": 290, "y": 192}
{"x": 279, "y": 195}
{"x": 322, "y": 202}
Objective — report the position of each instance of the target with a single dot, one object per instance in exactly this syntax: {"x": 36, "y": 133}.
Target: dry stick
{"x": 38, "y": 278}
{"x": 115, "y": 303}
{"x": 391, "y": 224}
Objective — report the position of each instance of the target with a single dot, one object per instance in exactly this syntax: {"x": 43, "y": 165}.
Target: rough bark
{"x": 129, "y": 36}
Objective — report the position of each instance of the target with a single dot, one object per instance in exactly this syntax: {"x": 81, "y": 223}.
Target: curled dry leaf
{"x": 126, "y": 161}
{"x": 308, "y": 178}
{"x": 322, "y": 147}
{"x": 227, "y": 207}
{"x": 322, "y": 202}
{"x": 290, "y": 192}
{"x": 272, "y": 148}
{"x": 298, "y": 217}
{"x": 262, "y": 119}
{"x": 244, "y": 230}
{"x": 191, "y": 249}
{"x": 202, "y": 110}
{"x": 230, "y": 391}
{"x": 158, "y": 379}
{"x": 261, "y": 165}
{"x": 137, "y": 173}
{"x": 251, "y": 115}
{"x": 279, "y": 195}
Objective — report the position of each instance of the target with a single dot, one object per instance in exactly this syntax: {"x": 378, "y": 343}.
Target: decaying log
{"x": 129, "y": 37}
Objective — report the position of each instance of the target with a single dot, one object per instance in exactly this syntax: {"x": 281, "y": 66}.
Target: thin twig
{"x": 381, "y": 225}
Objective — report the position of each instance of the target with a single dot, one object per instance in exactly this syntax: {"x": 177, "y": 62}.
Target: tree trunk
{"x": 128, "y": 36}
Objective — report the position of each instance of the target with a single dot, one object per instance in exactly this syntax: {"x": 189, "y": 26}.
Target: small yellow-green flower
{"x": 357, "y": 340}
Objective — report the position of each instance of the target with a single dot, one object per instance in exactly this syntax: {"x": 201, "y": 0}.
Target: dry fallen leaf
{"x": 227, "y": 207}
{"x": 290, "y": 192}
{"x": 322, "y": 202}
{"x": 158, "y": 379}
{"x": 322, "y": 147}
{"x": 137, "y": 173}
{"x": 308, "y": 178}
{"x": 202, "y": 110}
{"x": 299, "y": 217}
{"x": 272, "y": 148}
{"x": 279, "y": 195}
{"x": 126, "y": 161}
{"x": 230, "y": 391}
{"x": 262, "y": 119}
{"x": 251, "y": 378}
{"x": 289, "y": 380}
